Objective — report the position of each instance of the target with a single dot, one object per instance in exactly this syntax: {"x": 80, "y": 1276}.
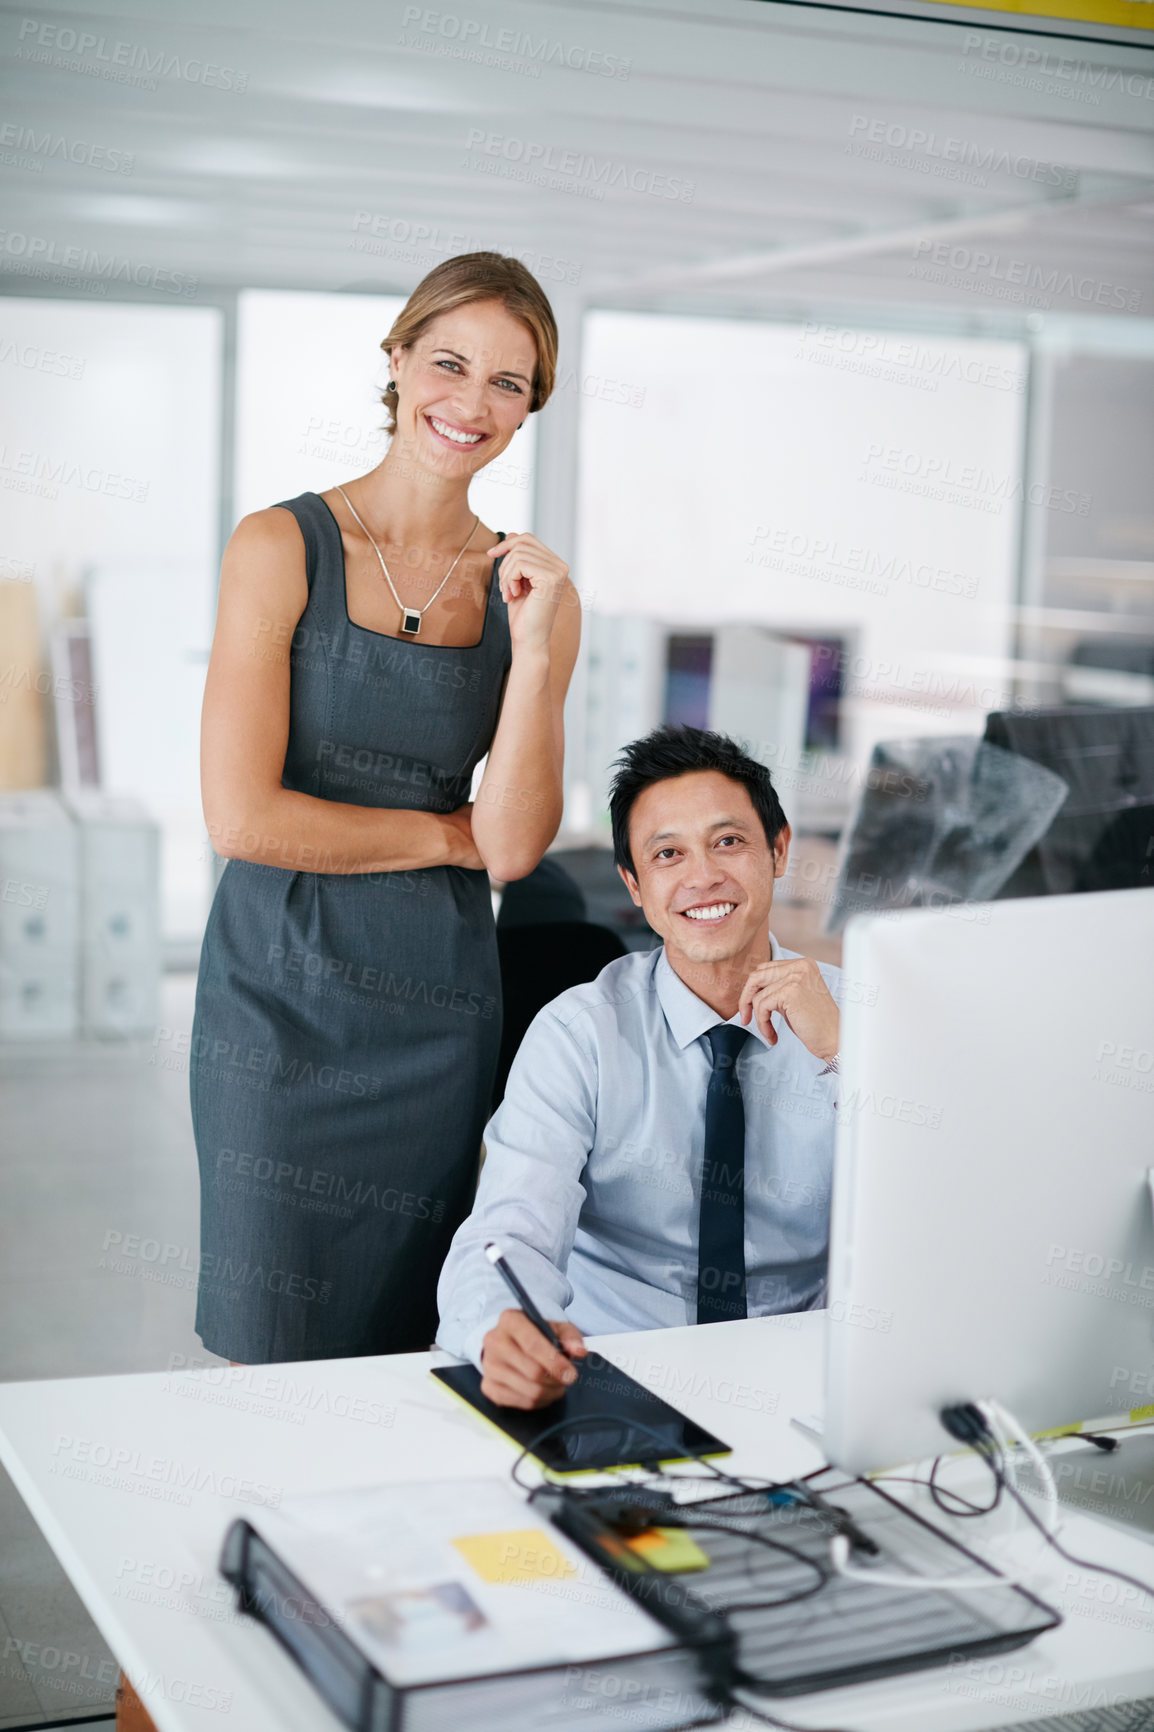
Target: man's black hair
{"x": 668, "y": 752}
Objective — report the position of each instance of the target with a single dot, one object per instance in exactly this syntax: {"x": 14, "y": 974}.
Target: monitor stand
{"x": 1117, "y": 1488}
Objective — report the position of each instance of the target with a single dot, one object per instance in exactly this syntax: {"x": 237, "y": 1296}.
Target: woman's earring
{"x": 391, "y": 386}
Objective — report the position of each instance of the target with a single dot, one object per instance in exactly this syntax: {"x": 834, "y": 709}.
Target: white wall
{"x": 109, "y": 460}
{"x": 813, "y": 480}
{"x": 310, "y": 371}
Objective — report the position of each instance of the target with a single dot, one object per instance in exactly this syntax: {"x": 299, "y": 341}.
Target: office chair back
{"x": 537, "y": 964}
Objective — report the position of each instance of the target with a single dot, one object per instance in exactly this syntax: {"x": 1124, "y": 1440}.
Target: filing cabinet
{"x": 119, "y": 926}
{"x": 39, "y": 917}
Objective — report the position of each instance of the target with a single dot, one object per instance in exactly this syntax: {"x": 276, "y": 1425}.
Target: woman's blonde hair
{"x": 479, "y": 277}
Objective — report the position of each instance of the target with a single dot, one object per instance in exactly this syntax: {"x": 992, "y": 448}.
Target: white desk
{"x": 135, "y": 1479}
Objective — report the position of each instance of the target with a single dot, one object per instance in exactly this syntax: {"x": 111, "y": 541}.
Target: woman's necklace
{"x": 410, "y": 616}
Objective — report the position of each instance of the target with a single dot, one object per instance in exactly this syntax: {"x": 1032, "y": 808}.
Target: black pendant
{"x": 410, "y": 621}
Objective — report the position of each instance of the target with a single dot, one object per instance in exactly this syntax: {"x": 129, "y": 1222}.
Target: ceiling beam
{"x": 740, "y": 267}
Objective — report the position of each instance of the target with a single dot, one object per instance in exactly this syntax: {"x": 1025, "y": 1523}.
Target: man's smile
{"x": 709, "y": 913}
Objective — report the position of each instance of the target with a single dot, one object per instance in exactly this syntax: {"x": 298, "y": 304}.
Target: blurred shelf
{"x": 1100, "y": 570}
{"x": 1079, "y": 619}
{"x": 1090, "y": 685}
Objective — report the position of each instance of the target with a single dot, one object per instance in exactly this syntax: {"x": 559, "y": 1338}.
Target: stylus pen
{"x": 493, "y": 1252}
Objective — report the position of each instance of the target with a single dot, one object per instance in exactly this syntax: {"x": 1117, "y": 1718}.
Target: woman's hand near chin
{"x": 534, "y": 585}
{"x": 519, "y": 802}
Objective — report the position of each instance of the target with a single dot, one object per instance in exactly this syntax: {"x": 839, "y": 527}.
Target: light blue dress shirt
{"x": 593, "y": 1169}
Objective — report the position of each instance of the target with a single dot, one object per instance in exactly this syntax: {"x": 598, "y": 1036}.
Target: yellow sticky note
{"x": 520, "y": 1555}
{"x": 669, "y": 1549}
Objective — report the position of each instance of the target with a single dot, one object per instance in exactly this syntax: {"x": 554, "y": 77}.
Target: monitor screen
{"x": 993, "y": 1229}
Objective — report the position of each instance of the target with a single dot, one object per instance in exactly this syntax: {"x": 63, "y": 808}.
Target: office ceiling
{"x": 731, "y": 156}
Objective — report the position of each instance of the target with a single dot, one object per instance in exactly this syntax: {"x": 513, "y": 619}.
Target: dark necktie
{"x": 721, "y": 1242}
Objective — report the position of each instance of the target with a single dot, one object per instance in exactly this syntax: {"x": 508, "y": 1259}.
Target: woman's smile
{"x": 451, "y": 433}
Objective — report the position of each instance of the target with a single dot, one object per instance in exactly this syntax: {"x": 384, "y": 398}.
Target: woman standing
{"x": 372, "y": 644}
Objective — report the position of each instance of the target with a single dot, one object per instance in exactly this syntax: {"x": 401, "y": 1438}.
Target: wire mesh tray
{"x": 844, "y": 1630}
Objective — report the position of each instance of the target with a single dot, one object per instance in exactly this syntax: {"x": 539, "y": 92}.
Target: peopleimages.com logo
{"x": 521, "y": 50}
{"x": 1032, "y": 68}
{"x": 1011, "y": 274}
{"x": 541, "y": 163}
{"x": 36, "y": 253}
{"x": 938, "y": 153}
{"x": 119, "y": 62}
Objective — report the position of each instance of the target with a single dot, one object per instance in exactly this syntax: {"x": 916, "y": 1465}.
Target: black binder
{"x": 667, "y": 1680}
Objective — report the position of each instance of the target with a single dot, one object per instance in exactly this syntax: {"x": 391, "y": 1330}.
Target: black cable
{"x": 680, "y": 1515}
{"x": 1082, "y": 1563}
{"x": 746, "y": 1487}
{"x": 939, "y": 1492}
{"x": 577, "y": 1421}
{"x": 824, "y": 1576}
{"x": 1109, "y": 1431}
{"x": 674, "y": 1515}
{"x": 902, "y": 1479}
{"x": 1104, "y": 1439}
{"x": 983, "y": 1440}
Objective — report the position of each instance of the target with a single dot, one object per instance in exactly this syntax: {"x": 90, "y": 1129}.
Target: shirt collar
{"x": 688, "y": 1016}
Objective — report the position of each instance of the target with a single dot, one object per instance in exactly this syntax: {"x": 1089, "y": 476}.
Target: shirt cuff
{"x": 466, "y": 1343}
{"x": 832, "y": 1067}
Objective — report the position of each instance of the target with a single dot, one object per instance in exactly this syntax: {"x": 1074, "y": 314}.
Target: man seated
{"x": 664, "y": 1150}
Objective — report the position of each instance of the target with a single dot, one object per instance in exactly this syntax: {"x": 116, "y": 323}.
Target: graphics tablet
{"x": 616, "y": 1421}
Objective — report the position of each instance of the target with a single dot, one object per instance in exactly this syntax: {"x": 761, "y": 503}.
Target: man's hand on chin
{"x": 798, "y": 990}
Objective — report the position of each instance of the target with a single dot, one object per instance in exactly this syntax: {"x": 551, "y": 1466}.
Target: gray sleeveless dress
{"x": 347, "y": 1025}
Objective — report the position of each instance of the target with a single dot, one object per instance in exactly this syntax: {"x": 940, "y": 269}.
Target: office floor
{"x": 97, "y": 1148}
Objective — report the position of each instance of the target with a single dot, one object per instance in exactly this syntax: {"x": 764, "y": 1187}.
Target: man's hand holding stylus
{"x": 519, "y": 1368}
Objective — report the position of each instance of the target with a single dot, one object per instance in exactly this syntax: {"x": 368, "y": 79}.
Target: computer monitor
{"x": 993, "y": 1222}
{"x": 1102, "y": 837}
